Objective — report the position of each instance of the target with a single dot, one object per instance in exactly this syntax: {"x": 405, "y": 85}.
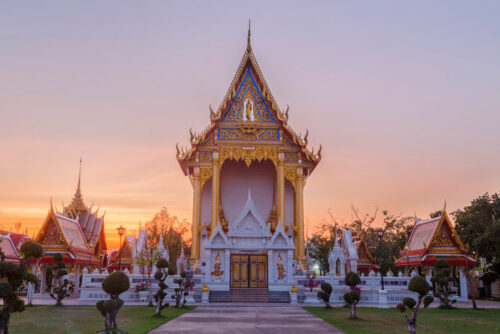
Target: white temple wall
{"x": 237, "y": 178}
{"x": 289, "y": 203}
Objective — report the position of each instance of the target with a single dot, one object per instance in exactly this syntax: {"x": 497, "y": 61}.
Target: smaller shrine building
{"x": 432, "y": 240}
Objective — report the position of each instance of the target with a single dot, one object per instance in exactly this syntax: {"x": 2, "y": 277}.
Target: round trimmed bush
{"x": 409, "y": 302}
{"x": 115, "y": 283}
{"x": 158, "y": 275}
{"x": 419, "y": 285}
{"x": 5, "y": 289}
{"x": 162, "y": 263}
{"x": 32, "y": 249}
{"x": 352, "y": 279}
{"x": 428, "y": 300}
{"x": 327, "y": 287}
{"x": 442, "y": 264}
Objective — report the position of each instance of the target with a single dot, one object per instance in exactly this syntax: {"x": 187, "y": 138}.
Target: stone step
{"x": 279, "y": 297}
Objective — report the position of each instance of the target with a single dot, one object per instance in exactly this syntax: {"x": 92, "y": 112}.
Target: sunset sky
{"x": 403, "y": 96}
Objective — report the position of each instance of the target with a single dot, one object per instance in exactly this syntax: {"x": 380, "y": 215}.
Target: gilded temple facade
{"x": 248, "y": 169}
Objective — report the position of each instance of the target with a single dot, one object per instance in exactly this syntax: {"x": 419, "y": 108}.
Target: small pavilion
{"x": 432, "y": 240}
{"x": 366, "y": 261}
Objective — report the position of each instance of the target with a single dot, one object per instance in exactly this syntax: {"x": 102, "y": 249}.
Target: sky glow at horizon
{"x": 404, "y": 98}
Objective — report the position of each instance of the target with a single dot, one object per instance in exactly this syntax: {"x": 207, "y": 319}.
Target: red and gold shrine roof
{"x": 248, "y": 125}
{"x": 431, "y": 240}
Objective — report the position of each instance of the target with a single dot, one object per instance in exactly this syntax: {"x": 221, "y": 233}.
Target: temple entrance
{"x": 248, "y": 271}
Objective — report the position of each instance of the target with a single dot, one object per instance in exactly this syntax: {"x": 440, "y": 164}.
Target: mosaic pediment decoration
{"x": 443, "y": 239}
{"x": 248, "y": 105}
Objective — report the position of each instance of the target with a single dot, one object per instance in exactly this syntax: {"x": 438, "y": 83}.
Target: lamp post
{"x": 380, "y": 234}
{"x": 121, "y": 232}
{"x": 407, "y": 259}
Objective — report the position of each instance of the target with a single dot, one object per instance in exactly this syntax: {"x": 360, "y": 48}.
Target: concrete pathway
{"x": 244, "y": 320}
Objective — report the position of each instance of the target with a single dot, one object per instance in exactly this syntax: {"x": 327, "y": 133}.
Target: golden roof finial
{"x": 79, "y": 176}
{"x": 444, "y": 208}
{"x": 249, "y": 46}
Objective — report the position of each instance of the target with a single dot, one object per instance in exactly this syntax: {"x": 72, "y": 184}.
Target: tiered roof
{"x": 248, "y": 81}
{"x": 432, "y": 240}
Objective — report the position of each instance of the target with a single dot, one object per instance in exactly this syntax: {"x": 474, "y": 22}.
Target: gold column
{"x": 299, "y": 202}
{"x": 281, "y": 189}
{"x": 215, "y": 192}
{"x": 195, "y": 246}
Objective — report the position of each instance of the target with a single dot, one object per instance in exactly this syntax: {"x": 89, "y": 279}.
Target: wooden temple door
{"x": 248, "y": 271}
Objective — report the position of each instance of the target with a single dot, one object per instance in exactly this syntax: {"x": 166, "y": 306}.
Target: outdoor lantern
{"x": 380, "y": 233}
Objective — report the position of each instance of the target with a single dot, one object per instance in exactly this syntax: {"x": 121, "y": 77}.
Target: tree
{"x": 179, "y": 293}
{"x": 161, "y": 275}
{"x": 419, "y": 285}
{"x": 12, "y": 276}
{"x": 396, "y": 231}
{"x": 442, "y": 278}
{"x": 473, "y": 222}
{"x": 352, "y": 297}
{"x": 325, "y": 293}
{"x": 59, "y": 286}
{"x": 114, "y": 284}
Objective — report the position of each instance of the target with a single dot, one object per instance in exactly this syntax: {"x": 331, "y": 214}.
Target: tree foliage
{"x": 442, "y": 278}
{"x": 114, "y": 284}
{"x": 396, "y": 231}
{"x": 12, "y": 276}
{"x": 325, "y": 293}
{"x": 59, "y": 285}
{"x": 353, "y": 296}
{"x": 419, "y": 285}
{"x": 161, "y": 275}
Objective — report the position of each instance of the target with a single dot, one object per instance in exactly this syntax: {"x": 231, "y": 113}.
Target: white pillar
{"x": 42, "y": 279}
{"x": 382, "y": 299}
{"x": 463, "y": 284}
{"x": 227, "y": 265}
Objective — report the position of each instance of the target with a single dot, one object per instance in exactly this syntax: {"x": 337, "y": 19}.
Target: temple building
{"x": 366, "y": 261}
{"x": 76, "y": 232}
{"x": 248, "y": 169}
{"x": 432, "y": 240}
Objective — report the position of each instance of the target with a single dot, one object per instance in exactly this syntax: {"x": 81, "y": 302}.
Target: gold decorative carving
{"x": 249, "y": 155}
{"x": 291, "y": 175}
{"x": 205, "y": 175}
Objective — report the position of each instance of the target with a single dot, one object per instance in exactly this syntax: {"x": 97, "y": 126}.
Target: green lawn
{"x": 87, "y": 319}
{"x": 375, "y": 320}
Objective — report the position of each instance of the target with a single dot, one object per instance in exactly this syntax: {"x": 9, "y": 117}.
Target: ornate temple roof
{"x": 9, "y": 250}
{"x": 366, "y": 261}
{"x": 91, "y": 223}
{"x": 248, "y": 82}
{"x": 431, "y": 240}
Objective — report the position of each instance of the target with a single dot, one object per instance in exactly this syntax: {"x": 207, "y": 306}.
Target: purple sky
{"x": 404, "y": 98}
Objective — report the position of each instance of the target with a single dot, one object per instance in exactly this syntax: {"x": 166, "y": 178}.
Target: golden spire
{"x": 77, "y": 203}
{"x": 249, "y": 46}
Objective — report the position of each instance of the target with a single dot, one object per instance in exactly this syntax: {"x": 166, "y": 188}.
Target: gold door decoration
{"x": 248, "y": 271}
{"x": 205, "y": 175}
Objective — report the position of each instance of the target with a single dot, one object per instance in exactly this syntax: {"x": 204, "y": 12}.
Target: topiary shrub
{"x": 325, "y": 293}
{"x": 442, "y": 278}
{"x": 352, "y": 297}
{"x": 59, "y": 286}
{"x": 161, "y": 275}
{"x": 114, "y": 284}
{"x": 179, "y": 293}
{"x": 13, "y": 276}
{"x": 419, "y": 285}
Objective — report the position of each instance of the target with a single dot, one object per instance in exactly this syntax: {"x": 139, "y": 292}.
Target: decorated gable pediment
{"x": 218, "y": 239}
{"x": 248, "y": 105}
{"x": 280, "y": 240}
{"x": 249, "y": 223}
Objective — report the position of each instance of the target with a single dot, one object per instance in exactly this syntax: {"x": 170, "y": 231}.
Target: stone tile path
{"x": 243, "y": 320}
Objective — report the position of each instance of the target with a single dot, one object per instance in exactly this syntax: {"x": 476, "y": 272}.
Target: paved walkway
{"x": 244, "y": 320}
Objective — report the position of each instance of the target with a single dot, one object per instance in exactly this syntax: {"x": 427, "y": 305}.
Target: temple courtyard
{"x": 256, "y": 318}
